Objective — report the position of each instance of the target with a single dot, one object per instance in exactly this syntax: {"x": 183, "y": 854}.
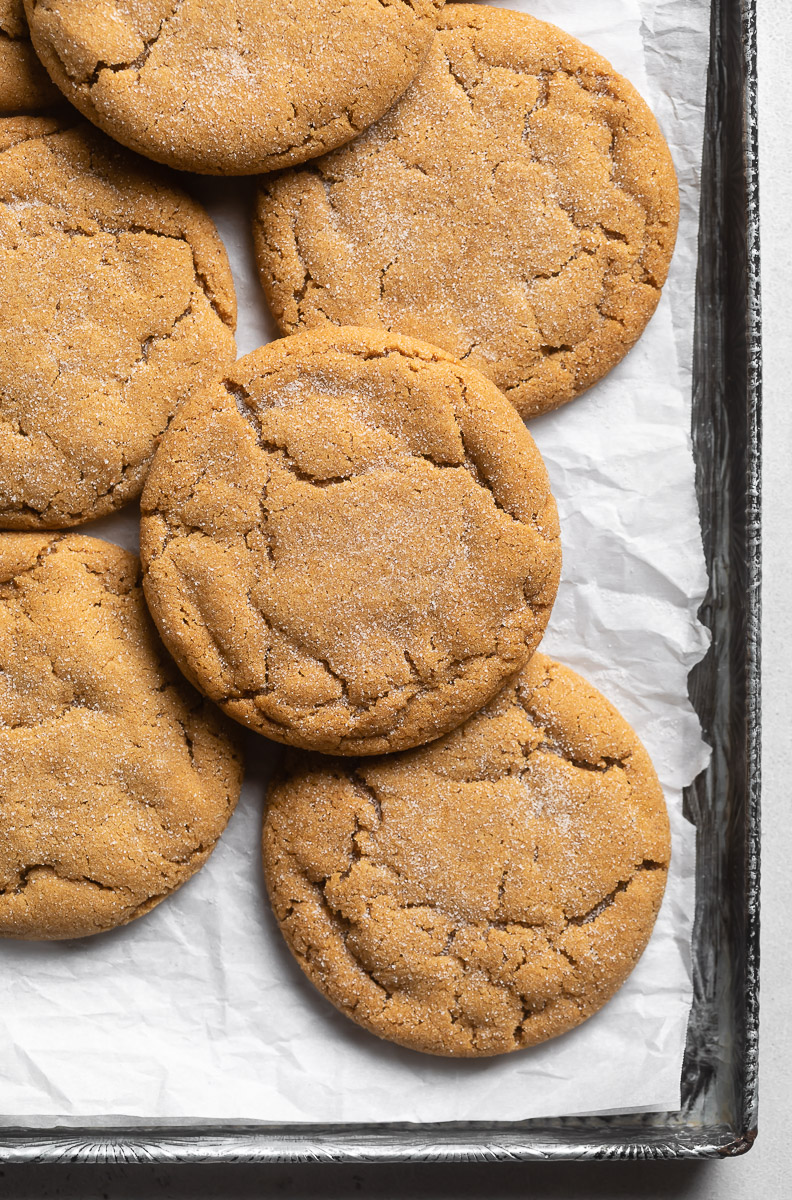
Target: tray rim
{"x": 531, "y": 1140}
{"x": 750, "y": 1093}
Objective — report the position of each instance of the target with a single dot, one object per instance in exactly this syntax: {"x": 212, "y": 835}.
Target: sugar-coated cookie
{"x": 349, "y": 542}
{"x": 116, "y": 302}
{"x": 232, "y": 87}
{"x": 517, "y": 207}
{"x": 116, "y": 778}
{"x": 485, "y": 892}
{"x": 25, "y": 87}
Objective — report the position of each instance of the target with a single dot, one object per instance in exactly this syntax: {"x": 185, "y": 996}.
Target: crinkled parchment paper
{"x": 197, "y": 1011}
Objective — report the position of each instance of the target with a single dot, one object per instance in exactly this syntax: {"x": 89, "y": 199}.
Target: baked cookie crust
{"x": 25, "y": 87}
{"x": 350, "y": 542}
{"x": 116, "y": 778}
{"x": 486, "y": 892}
{"x": 116, "y": 301}
{"x": 232, "y": 88}
{"x": 517, "y": 207}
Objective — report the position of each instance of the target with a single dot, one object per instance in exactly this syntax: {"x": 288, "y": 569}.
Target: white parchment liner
{"x": 197, "y": 1011}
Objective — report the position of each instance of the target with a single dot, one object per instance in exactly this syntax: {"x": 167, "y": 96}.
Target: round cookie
{"x": 350, "y": 542}
{"x": 486, "y": 892}
{"x": 116, "y": 301}
{"x": 116, "y": 778}
{"x": 517, "y": 207}
{"x": 232, "y": 88}
{"x": 25, "y": 87}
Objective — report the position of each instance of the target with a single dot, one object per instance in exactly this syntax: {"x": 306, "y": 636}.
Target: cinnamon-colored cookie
{"x": 25, "y": 87}
{"x": 483, "y": 893}
{"x": 517, "y": 207}
{"x": 232, "y": 88}
{"x": 116, "y": 301}
{"x": 350, "y": 542}
{"x": 116, "y": 778}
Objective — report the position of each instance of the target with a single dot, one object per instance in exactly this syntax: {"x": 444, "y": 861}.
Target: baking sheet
{"x": 197, "y": 1012}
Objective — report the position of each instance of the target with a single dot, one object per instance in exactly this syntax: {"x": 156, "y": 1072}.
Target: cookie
{"x": 116, "y": 778}
{"x": 349, "y": 543}
{"x": 517, "y": 207}
{"x": 25, "y": 87}
{"x": 116, "y": 301}
{"x": 486, "y": 892}
{"x": 232, "y": 89}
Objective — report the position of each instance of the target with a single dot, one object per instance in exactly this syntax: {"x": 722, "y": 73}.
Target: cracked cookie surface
{"x": 350, "y": 543}
{"x": 486, "y": 892}
{"x": 116, "y": 301}
{"x": 25, "y": 87}
{"x": 517, "y": 207}
{"x": 232, "y": 87}
{"x": 116, "y": 778}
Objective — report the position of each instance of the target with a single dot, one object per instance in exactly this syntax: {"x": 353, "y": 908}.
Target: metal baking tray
{"x": 718, "y": 1115}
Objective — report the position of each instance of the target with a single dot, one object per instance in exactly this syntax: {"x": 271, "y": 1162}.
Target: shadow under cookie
{"x": 25, "y": 87}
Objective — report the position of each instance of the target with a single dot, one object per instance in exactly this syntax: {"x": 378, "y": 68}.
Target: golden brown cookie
{"x": 116, "y": 301}
{"x": 486, "y": 892}
{"x": 350, "y": 543}
{"x": 116, "y": 778}
{"x": 517, "y": 207}
{"x": 232, "y": 88}
{"x": 25, "y": 87}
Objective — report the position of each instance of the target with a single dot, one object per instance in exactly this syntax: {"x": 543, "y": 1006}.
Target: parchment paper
{"x": 197, "y": 1011}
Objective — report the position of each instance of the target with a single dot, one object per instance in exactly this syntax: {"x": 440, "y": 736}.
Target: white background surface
{"x": 765, "y": 1172}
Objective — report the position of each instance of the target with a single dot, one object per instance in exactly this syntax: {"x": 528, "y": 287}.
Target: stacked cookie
{"x": 348, "y": 540}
